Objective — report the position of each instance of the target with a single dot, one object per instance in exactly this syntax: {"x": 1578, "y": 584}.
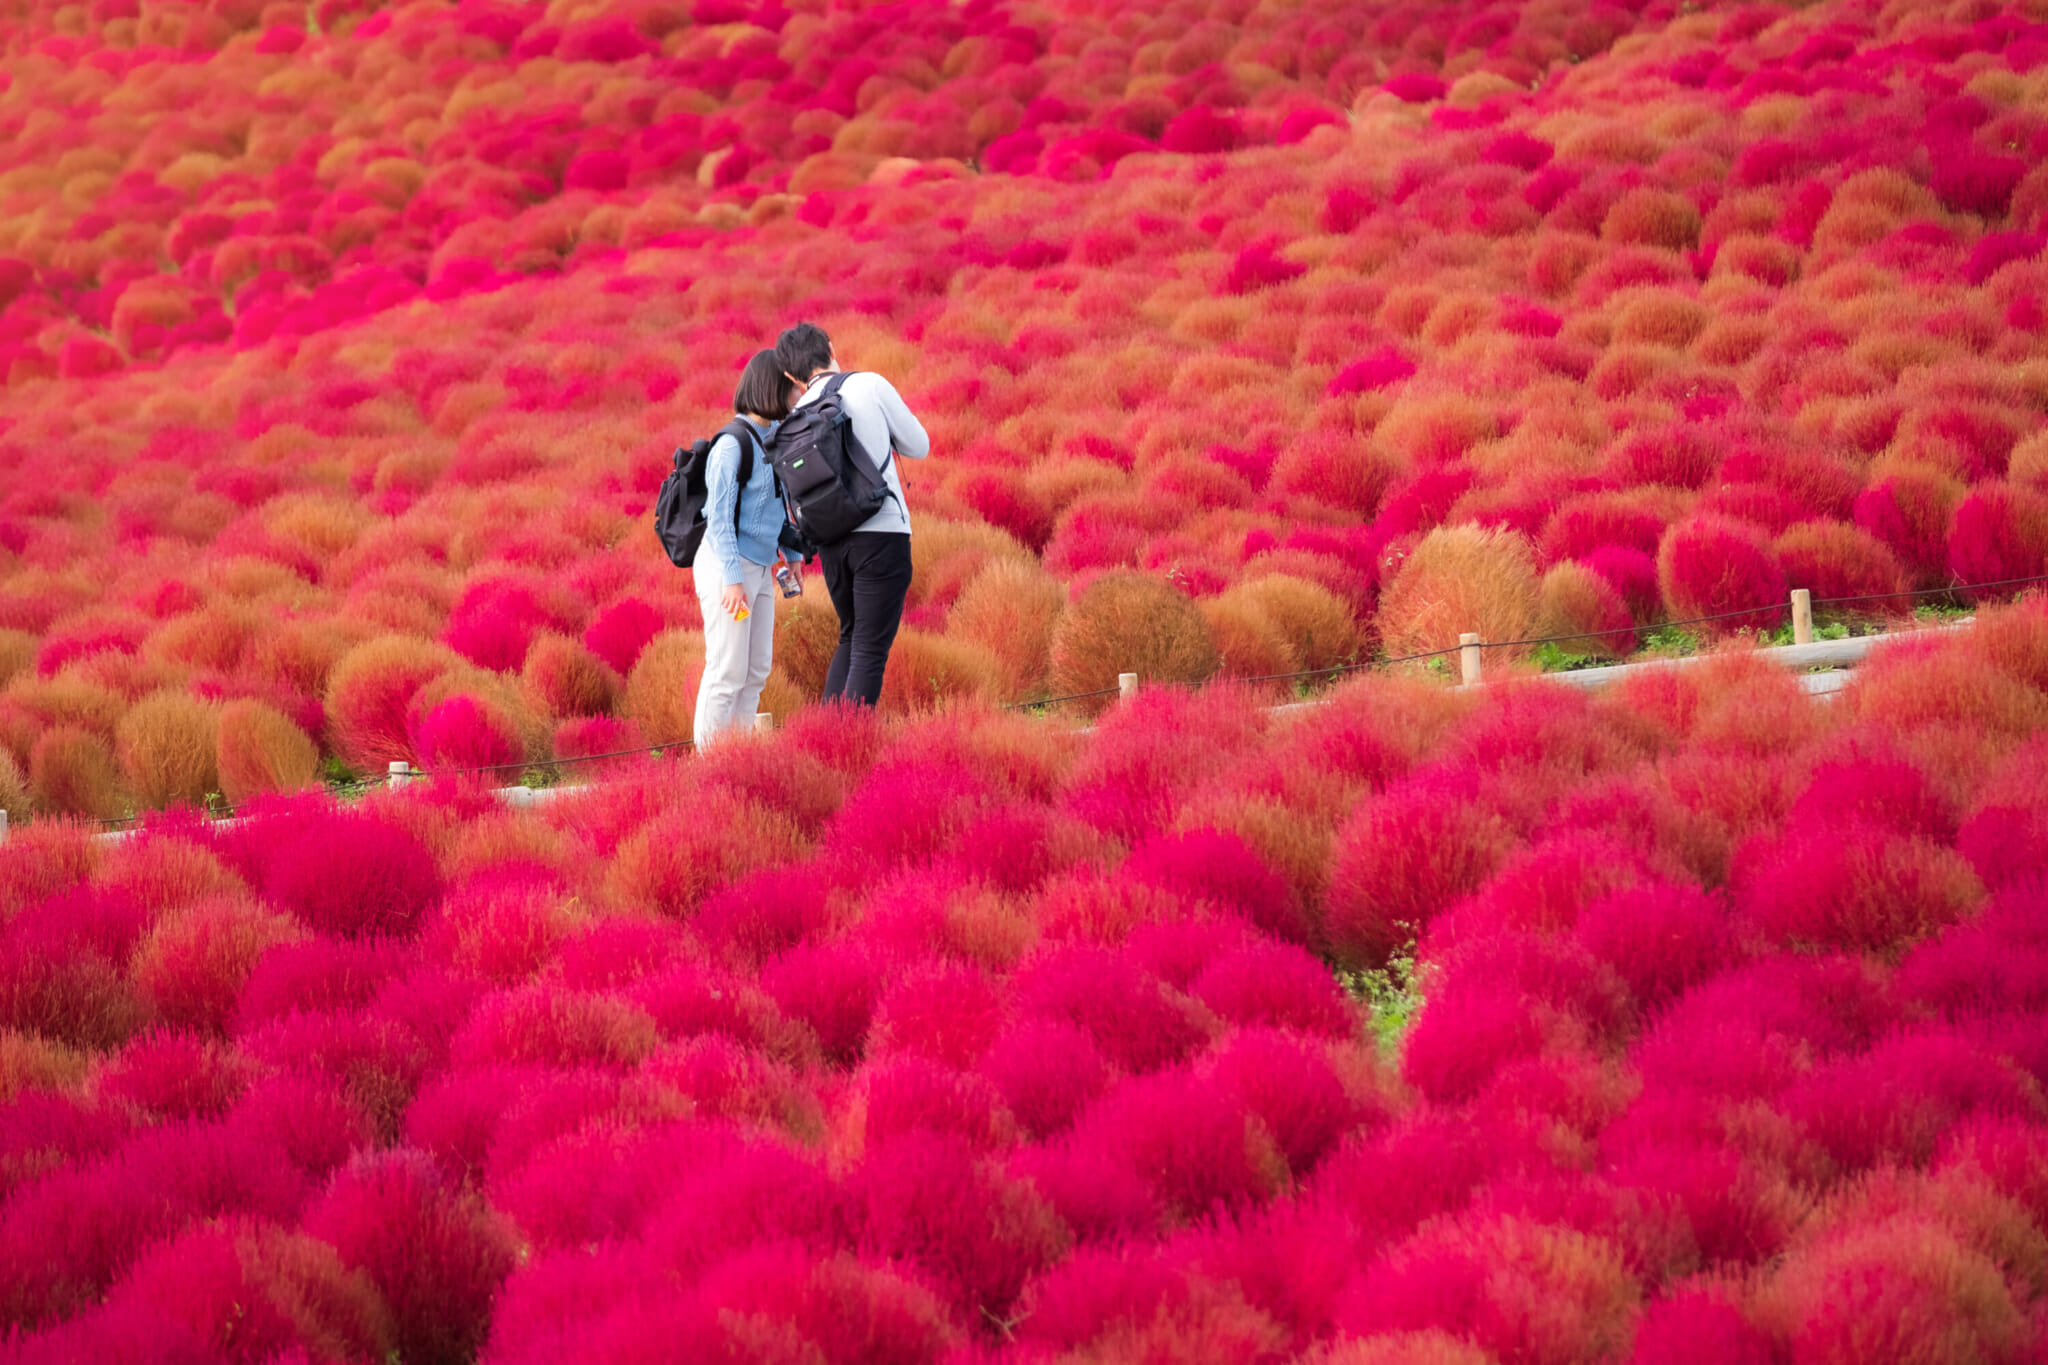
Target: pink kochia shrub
{"x": 352, "y": 876}
{"x": 434, "y": 1254}
{"x": 447, "y": 1093}
{"x": 462, "y": 733}
{"x": 1713, "y": 567}
{"x": 1404, "y": 857}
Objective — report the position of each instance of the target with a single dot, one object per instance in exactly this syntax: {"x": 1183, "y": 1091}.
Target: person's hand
{"x": 733, "y": 600}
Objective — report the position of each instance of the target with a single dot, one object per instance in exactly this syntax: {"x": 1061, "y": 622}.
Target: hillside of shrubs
{"x": 1695, "y": 1019}
{"x": 972, "y": 1038}
{"x": 345, "y": 347}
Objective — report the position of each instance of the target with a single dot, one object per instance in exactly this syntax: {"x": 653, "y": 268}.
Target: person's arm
{"x": 906, "y": 434}
{"x": 721, "y": 503}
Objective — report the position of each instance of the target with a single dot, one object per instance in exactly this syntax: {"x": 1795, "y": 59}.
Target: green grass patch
{"x": 1391, "y": 995}
{"x": 1939, "y": 612}
{"x": 1831, "y": 630}
{"x": 1552, "y": 657}
{"x": 1670, "y": 642}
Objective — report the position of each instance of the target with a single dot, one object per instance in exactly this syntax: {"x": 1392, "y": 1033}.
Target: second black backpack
{"x": 679, "y": 507}
{"x": 829, "y": 483}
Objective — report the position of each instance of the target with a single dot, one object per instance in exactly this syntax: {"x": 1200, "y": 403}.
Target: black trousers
{"x": 868, "y": 575}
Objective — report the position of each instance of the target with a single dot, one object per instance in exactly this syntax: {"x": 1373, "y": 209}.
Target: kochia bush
{"x": 353, "y": 876}
{"x": 1723, "y": 1034}
{"x": 260, "y": 750}
{"x": 369, "y": 692}
{"x": 436, "y": 1255}
{"x": 1403, "y": 859}
{"x": 1129, "y": 623}
{"x": 2000, "y": 533}
{"x": 1717, "y": 568}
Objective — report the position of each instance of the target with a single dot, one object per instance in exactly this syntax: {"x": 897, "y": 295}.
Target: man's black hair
{"x": 763, "y": 388}
{"x": 803, "y": 350}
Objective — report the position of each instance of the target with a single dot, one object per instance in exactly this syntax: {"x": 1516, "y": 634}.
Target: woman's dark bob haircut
{"x": 763, "y": 388}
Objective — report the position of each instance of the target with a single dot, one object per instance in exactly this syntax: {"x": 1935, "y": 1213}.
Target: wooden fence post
{"x": 1469, "y": 665}
{"x": 1802, "y": 616}
{"x": 764, "y": 721}
{"x": 401, "y": 773}
{"x": 1126, "y": 686}
{"x": 3, "y": 826}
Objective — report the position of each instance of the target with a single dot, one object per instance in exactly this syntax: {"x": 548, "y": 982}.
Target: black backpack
{"x": 679, "y": 507}
{"x": 829, "y": 483}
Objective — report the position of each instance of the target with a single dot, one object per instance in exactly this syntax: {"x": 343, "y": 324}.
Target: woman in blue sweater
{"x": 735, "y": 564}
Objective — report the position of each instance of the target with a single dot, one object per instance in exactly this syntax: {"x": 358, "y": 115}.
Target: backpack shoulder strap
{"x": 880, "y": 466}
{"x": 748, "y": 439}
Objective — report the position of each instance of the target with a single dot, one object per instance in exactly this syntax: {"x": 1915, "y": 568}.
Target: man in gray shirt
{"x": 868, "y": 573}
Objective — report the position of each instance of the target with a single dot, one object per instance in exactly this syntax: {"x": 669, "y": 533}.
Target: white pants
{"x": 737, "y": 654}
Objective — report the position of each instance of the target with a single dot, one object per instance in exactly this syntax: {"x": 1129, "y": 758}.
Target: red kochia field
{"x": 343, "y": 347}
{"x": 973, "y": 1038}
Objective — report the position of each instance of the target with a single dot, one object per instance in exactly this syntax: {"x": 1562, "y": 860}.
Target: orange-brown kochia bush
{"x": 1249, "y": 644}
{"x": 1585, "y": 610}
{"x": 563, "y": 678}
{"x": 1127, "y": 622}
{"x": 1834, "y": 560}
{"x": 661, "y": 693}
{"x": 259, "y": 749}
{"x": 71, "y": 772}
{"x": 1010, "y": 610}
{"x": 1524, "y": 1289}
{"x": 1315, "y": 622}
{"x": 166, "y": 744}
{"x": 1460, "y": 579}
{"x": 17, "y": 654}
{"x": 13, "y": 785}
{"x": 927, "y": 670}
{"x": 1653, "y": 218}
{"x": 1855, "y": 888}
{"x": 806, "y": 634}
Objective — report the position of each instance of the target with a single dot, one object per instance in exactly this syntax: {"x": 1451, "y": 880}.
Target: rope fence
{"x": 1044, "y": 702}
{"x": 221, "y": 810}
{"x": 1469, "y": 648}
{"x": 1364, "y": 665}
{"x": 400, "y": 774}
{"x": 656, "y": 749}
{"x": 1338, "y": 669}
{"x": 1954, "y": 589}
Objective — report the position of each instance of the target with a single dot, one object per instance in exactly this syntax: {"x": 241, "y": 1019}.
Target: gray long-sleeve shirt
{"x": 881, "y": 422}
